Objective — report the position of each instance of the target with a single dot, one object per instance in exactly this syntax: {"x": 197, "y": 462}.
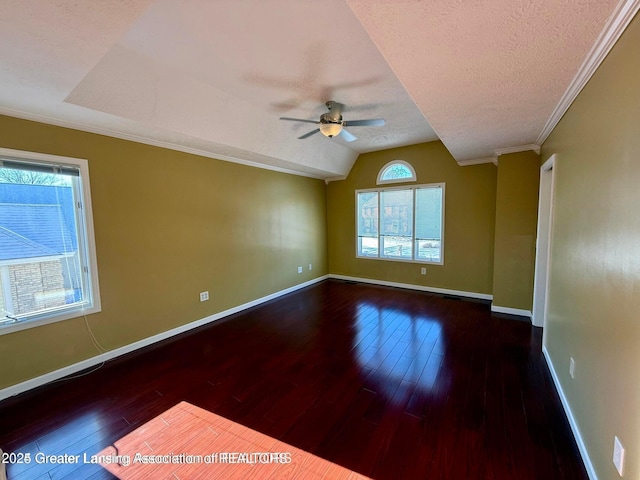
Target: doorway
{"x": 543, "y": 243}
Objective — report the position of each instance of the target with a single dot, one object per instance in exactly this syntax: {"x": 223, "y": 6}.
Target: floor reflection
{"x": 58, "y": 449}
{"x": 398, "y": 351}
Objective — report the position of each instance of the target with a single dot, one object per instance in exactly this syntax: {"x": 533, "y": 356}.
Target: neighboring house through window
{"x": 47, "y": 256}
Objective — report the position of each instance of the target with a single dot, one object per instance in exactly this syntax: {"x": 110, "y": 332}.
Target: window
{"x": 48, "y": 269}
{"x": 396, "y": 172}
{"x": 401, "y": 223}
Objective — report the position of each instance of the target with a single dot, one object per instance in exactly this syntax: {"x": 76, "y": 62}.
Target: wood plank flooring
{"x": 389, "y": 383}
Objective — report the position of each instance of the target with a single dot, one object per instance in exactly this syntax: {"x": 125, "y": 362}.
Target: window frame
{"x": 413, "y": 188}
{"x": 413, "y": 177}
{"x": 87, "y": 247}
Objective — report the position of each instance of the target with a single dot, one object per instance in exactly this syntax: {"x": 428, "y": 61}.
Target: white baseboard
{"x": 511, "y": 311}
{"x": 422, "y": 288}
{"x": 90, "y": 362}
{"x": 572, "y": 421}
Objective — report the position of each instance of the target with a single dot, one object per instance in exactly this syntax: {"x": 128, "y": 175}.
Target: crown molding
{"x": 334, "y": 179}
{"x": 477, "y": 161}
{"x": 615, "y": 26}
{"x": 517, "y": 149}
{"x": 107, "y": 132}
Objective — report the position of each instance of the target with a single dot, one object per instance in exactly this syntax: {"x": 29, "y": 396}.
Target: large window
{"x": 47, "y": 256}
{"x": 401, "y": 223}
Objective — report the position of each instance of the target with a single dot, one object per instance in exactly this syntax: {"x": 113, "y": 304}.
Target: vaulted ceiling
{"x": 213, "y": 77}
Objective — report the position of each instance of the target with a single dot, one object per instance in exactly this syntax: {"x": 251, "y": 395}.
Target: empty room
{"x": 359, "y": 239}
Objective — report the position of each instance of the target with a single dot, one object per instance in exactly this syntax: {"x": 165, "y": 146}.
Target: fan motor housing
{"x": 325, "y": 118}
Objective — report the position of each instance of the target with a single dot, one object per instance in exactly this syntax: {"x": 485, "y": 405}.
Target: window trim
{"x": 402, "y": 187}
{"x": 413, "y": 178}
{"x": 93, "y": 287}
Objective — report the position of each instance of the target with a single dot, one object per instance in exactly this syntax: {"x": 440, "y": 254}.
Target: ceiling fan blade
{"x": 312, "y": 132}
{"x": 346, "y": 136}
{"x": 374, "y": 122}
{"x": 298, "y": 120}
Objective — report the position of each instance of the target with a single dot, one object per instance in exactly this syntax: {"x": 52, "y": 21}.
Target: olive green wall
{"x": 594, "y": 297}
{"x": 169, "y": 225}
{"x": 469, "y": 221}
{"x": 516, "y": 225}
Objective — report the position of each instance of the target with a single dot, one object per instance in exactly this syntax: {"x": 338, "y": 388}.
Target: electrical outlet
{"x": 423, "y": 271}
{"x": 204, "y": 296}
{"x": 300, "y": 269}
{"x": 618, "y": 455}
{"x": 310, "y": 266}
{"x": 572, "y": 367}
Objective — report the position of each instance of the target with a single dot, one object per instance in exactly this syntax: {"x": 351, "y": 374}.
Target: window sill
{"x": 402, "y": 260}
{"x": 46, "y": 319}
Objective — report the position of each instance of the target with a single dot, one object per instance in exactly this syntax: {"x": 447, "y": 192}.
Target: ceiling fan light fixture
{"x": 330, "y": 129}
{"x": 331, "y": 123}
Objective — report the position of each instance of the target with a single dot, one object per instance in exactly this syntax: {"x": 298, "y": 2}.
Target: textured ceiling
{"x": 486, "y": 74}
{"x": 214, "y": 77}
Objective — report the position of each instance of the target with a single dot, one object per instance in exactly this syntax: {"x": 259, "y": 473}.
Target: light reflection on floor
{"x": 398, "y": 352}
{"x": 71, "y": 439}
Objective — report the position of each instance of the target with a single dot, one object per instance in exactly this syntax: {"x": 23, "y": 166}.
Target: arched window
{"x": 396, "y": 172}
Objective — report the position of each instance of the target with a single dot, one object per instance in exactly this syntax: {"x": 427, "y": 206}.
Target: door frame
{"x": 543, "y": 242}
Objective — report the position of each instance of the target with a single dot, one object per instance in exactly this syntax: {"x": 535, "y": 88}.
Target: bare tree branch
{"x": 11, "y": 175}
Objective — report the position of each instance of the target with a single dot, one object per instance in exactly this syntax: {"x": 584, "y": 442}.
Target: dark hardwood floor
{"x": 393, "y": 384}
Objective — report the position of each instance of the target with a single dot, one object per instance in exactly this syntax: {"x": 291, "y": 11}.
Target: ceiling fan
{"x": 332, "y": 125}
